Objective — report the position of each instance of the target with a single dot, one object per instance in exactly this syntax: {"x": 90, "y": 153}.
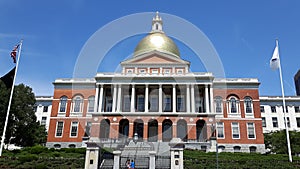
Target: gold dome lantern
{"x": 157, "y": 40}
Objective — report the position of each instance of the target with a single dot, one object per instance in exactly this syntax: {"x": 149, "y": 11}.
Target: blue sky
{"x": 242, "y": 32}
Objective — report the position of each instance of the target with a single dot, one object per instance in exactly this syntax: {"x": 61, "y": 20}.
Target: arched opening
{"x": 201, "y": 131}
{"x": 236, "y": 149}
{"x": 221, "y": 148}
{"x": 138, "y": 127}
{"x": 104, "y": 128}
{"x": 152, "y": 130}
{"x": 182, "y": 130}
{"x": 57, "y": 146}
{"x": 252, "y": 149}
{"x": 167, "y": 130}
{"x": 72, "y": 146}
{"x": 123, "y": 128}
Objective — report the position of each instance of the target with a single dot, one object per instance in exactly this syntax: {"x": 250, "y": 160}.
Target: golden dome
{"x": 157, "y": 41}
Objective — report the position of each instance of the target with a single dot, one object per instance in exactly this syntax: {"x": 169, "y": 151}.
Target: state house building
{"x": 158, "y": 98}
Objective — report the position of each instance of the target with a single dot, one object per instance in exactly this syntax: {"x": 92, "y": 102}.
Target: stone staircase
{"x": 139, "y": 152}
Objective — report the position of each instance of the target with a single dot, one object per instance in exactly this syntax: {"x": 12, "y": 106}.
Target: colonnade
{"x": 174, "y": 98}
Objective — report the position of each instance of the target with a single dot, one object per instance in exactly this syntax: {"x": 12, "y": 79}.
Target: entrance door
{"x": 138, "y": 127}
{"x": 167, "y": 130}
{"x": 152, "y": 130}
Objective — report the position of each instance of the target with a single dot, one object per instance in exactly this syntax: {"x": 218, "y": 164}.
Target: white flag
{"x": 274, "y": 62}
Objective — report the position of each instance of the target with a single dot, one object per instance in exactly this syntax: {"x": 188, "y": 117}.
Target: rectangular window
{"x": 274, "y": 121}
{"x": 154, "y": 71}
{"x": 233, "y": 105}
{"x": 142, "y": 71}
{"x": 198, "y": 104}
{"x": 262, "y": 109}
{"x": 167, "y": 71}
{"x": 45, "y": 109}
{"x": 263, "y": 119}
{"x": 63, "y": 105}
{"x": 297, "y": 109}
{"x": 77, "y": 105}
{"x": 129, "y": 71}
{"x": 218, "y": 105}
{"x": 167, "y": 103}
{"x": 74, "y": 129}
{"x": 88, "y": 129}
{"x": 126, "y": 103}
{"x": 235, "y": 130}
{"x": 44, "y": 120}
{"x": 220, "y": 130}
{"x": 288, "y": 122}
{"x": 298, "y": 122}
{"x": 140, "y": 103}
{"x": 59, "y": 128}
{"x": 91, "y": 104}
{"x": 179, "y": 71}
{"x": 248, "y": 105}
{"x": 180, "y": 103}
{"x": 153, "y": 103}
{"x": 251, "y": 130}
{"x": 108, "y": 105}
{"x": 273, "y": 109}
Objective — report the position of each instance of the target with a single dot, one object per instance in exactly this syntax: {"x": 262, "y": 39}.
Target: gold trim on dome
{"x": 157, "y": 41}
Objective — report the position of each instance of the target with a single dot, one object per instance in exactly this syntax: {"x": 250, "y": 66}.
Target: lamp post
{"x": 214, "y": 136}
{"x": 135, "y": 138}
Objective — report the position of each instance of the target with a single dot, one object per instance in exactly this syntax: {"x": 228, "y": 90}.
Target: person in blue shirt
{"x": 132, "y": 165}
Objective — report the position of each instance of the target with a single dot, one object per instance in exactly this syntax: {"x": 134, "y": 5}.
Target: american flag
{"x": 13, "y": 53}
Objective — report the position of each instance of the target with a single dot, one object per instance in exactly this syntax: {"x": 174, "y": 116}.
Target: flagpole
{"x": 10, "y": 99}
{"x": 284, "y": 110}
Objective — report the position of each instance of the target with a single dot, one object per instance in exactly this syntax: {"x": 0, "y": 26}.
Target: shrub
{"x": 27, "y": 158}
{"x": 37, "y": 149}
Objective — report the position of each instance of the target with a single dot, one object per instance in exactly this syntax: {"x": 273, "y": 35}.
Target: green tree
{"x": 23, "y": 128}
{"x": 276, "y": 142}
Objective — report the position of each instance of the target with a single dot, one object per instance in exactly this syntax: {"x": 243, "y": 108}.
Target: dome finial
{"x": 157, "y": 15}
{"x": 157, "y": 23}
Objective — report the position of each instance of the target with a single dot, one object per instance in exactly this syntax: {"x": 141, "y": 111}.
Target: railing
{"x": 141, "y": 162}
{"x": 162, "y": 162}
{"x": 201, "y": 140}
{"x": 114, "y": 140}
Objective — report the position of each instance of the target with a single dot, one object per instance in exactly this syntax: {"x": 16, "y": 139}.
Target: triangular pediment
{"x": 155, "y": 58}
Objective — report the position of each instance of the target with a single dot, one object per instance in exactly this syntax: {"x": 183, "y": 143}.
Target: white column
{"x": 193, "y": 98}
{"x": 211, "y": 94}
{"x": 174, "y": 98}
{"x": 135, "y": 70}
{"x": 114, "y": 98}
{"x": 92, "y": 155}
{"x": 100, "y": 98}
{"x": 119, "y": 98}
{"x": 146, "y": 97}
{"x": 96, "y": 99}
{"x": 152, "y": 159}
{"x": 117, "y": 155}
{"x": 160, "y": 98}
{"x": 188, "y": 103}
{"x": 132, "y": 98}
{"x": 206, "y": 99}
